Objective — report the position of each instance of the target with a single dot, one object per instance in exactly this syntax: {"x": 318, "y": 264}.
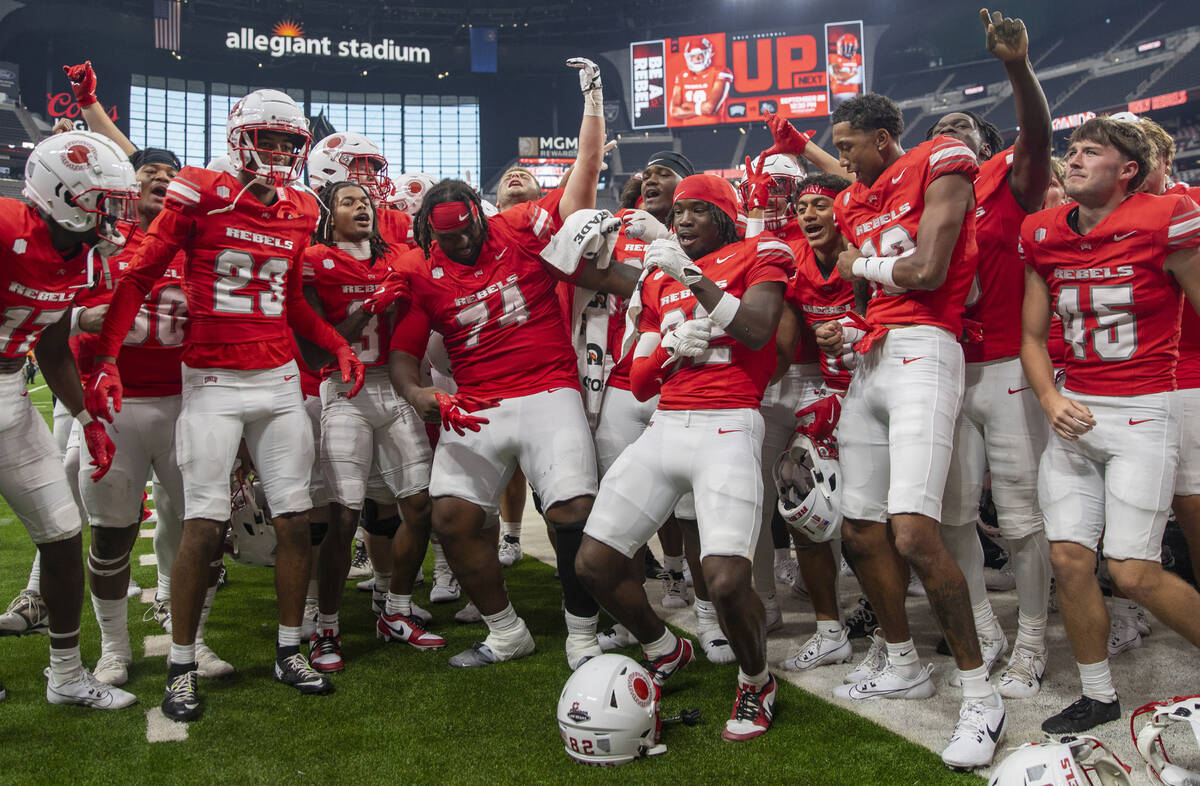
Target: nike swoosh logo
{"x": 464, "y": 216}
{"x": 902, "y": 654}
{"x": 502, "y": 253}
{"x": 101, "y": 375}
{"x": 1133, "y": 422}
{"x": 727, "y": 430}
{"x": 722, "y": 260}
{"x": 896, "y": 179}
{"x": 1012, "y": 392}
{"x": 855, "y": 693}
{"x": 1119, "y": 238}
{"x": 289, "y": 378}
{"x": 906, "y": 361}
{"x": 995, "y": 733}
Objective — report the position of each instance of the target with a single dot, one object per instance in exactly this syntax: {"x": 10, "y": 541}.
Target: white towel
{"x": 585, "y": 234}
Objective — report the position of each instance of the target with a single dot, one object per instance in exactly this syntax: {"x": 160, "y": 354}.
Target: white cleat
{"x": 581, "y": 647}
{"x": 980, "y": 728}
{"x": 133, "y": 590}
{"x": 615, "y": 638}
{"x": 209, "y": 664}
{"x": 85, "y": 689}
{"x": 309, "y": 624}
{"x": 360, "y": 565}
{"x": 25, "y": 614}
{"x": 787, "y": 571}
{"x": 675, "y": 591}
{"x": 160, "y": 612}
{"x": 821, "y": 650}
{"x": 716, "y": 647}
{"x": 510, "y": 551}
{"x": 1123, "y": 635}
{"x": 890, "y": 684}
{"x": 1022, "y": 677}
{"x": 872, "y": 663}
{"x": 992, "y": 645}
{"x": 445, "y": 587}
{"x": 113, "y": 668}
{"x": 468, "y": 615}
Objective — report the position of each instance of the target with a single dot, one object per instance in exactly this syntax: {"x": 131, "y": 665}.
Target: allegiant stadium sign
{"x": 287, "y": 38}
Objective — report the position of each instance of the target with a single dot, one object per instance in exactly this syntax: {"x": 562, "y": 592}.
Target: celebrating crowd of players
{"x": 904, "y": 311}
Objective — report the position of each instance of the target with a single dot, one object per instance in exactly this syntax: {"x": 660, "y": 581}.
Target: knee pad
{"x": 570, "y": 526}
{"x": 317, "y": 531}
{"x": 385, "y": 528}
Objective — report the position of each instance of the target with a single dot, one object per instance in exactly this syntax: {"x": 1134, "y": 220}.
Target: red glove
{"x": 454, "y": 411}
{"x": 100, "y": 447}
{"x": 825, "y": 412}
{"x": 756, "y": 189}
{"x": 105, "y": 383}
{"x": 787, "y": 138}
{"x": 351, "y": 367}
{"x": 83, "y": 82}
{"x": 394, "y": 289}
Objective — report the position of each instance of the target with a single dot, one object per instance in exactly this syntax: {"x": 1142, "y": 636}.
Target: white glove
{"x": 590, "y": 85}
{"x": 689, "y": 339}
{"x": 851, "y": 335}
{"x": 667, "y": 256}
{"x": 640, "y": 225}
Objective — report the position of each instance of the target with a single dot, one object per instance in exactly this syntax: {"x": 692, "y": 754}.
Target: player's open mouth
{"x": 515, "y": 182}
{"x": 650, "y": 193}
{"x": 813, "y": 231}
{"x": 686, "y": 240}
{"x": 363, "y": 218}
{"x": 159, "y": 191}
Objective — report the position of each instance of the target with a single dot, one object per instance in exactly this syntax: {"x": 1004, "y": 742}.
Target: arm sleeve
{"x": 167, "y": 235}
{"x": 646, "y": 374}
{"x": 303, "y": 319}
{"x": 951, "y": 157}
{"x": 411, "y": 333}
{"x": 773, "y": 261}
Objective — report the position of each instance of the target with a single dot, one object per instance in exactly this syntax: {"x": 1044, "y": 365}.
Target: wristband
{"x": 725, "y": 310}
{"x": 754, "y": 226}
{"x": 84, "y": 417}
{"x": 878, "y": 269}
{"x": 76, "y": 315}
{"x": 593, "y": 103}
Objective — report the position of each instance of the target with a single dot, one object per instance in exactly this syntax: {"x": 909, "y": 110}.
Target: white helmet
{"x": 83, "y": 181}
{"x": 810, "y": 495}
{"x": 786, "y": 175}
{"x": 267, "y": 111}
{"x": 250, "y": 531}
{"x": 410, "y": 191}
{"x": 1149, "y": 742}
{"x": 1071, "y": 762}
{"x": 608, "y": 712}
{"x": 698, "y": 55}
{"x": 353, "y": 157}
{"x": 222, "y": 164}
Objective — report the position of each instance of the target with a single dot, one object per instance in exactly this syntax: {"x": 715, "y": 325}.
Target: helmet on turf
{"x": 1149, "y": 739}
{"x": 1076, "y": 760}
{"x": 786, "y": 175}
{"x": 847, "y": 45}
{"x": 250, "y": 531}
{"x": 698, "y": 54}
{"x": 810, "y": 495}
{"x": 410, "y": 191}
{"x": 353, "y": 157}
{"x": 82, "y": 181}
{"x": 267, "y": 111}
{"x": 608, "y": 712}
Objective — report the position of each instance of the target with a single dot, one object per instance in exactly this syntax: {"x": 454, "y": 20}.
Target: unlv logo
{"x": 78, "y": 156}
{"x": 640, "y": 689}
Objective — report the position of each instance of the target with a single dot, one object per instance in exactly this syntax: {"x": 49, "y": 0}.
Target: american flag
{"x": 166, "y": 24}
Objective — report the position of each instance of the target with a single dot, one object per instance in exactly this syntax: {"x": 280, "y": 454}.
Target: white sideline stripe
{"x": 146, "y": 533}
{"x": 160, "y": 728}
{"x": 147, "y": 560}
{"x": 157, "y": 646}
{"x": 35, "y": 390}
{"x": 148, "y": 594}
{"x": 6, "y": 521}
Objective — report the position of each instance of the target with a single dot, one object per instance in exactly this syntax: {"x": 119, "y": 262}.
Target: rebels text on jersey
{"x": 819, "y": 299}
{"x": 882, "y": 220}
{"x": 727, "y": 375}
{"x": 38, "y": 285}
{"x": 999, "y": 286}
{"x": 342, "y": 284}
{"x": 501, "y": 318}
{"x": 1120, "y": 309}
{"x": 241, "y": 275}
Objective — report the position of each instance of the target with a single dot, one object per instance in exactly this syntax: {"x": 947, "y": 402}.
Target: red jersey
{"x": 1187, "y": 372}
{"x": 342, "y": 283}
{"x": 1120, "y": 309}
{"x": 698, "y": 88}
{"x": 501, "y": 318}
{"x": 882, "y": 220}
{"x": 806, "y": 349}
{"x": 241, "y": 273}
{"x": 820, "y": 298}
{"x": 728, "y": 375}
{"x": 999, "y": 288}
{"x": 395, "y": 227}
{"x": 39, "y": 285}
{"x": 845, "y": 74}
{"x": 629, "y": 251}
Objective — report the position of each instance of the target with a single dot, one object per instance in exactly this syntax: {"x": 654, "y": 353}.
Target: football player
{"x": 845, "y": 69}
{"x": 897, "y": 425}
{"x": 79, "y": 185}
{"x": 1112, "y": 266}
{"x": 711, "y": 359}
{"x": 1001, "y": 427}
{"x": 480, "y": 283}
{"x": 702, "y": 89}
{"x": 374, "y": 431}
{"x": 243, "y": 237}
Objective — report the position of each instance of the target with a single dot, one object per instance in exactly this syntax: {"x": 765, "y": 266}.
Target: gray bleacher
{"x": 10, "y": 188}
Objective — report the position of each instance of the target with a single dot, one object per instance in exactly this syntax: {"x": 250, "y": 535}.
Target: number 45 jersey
{"x": 501, "y": 318}
{"x": 1120, "y": 309}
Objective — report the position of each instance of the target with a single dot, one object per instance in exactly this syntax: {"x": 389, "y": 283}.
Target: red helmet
{"x": 847, "y": 45}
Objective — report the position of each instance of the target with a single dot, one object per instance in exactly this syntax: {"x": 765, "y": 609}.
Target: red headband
{"x": 448, "y": 216}
{"x": 819, "y": 190}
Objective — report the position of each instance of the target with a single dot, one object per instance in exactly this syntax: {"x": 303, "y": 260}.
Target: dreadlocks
{"x": 329, "y": 197}
{"x": 987, "y": 132}
{"x": 446, "y": 191}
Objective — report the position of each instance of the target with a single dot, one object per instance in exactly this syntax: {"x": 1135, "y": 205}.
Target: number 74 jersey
{"x": 1119, "y": 308}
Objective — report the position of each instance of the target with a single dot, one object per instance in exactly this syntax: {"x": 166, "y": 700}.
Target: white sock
{"x": 1031, "y": 632}
{"x": 35, "y": 574}
{"x": 312, "y": 593}
{"x": 205, "y": 610}
{"x": 975, "y": 684}
{"x": 398, "y": 604}
{"x": 1096, "y": 679}
{"x": 112, "y": 616}
{"x": 903, "y": 655}
{"x": 664, "y": 645}
{"x": 706, "y": 615}
{"x": 289, "y": 636}
{"x": 182, "y": 654}
{"x": 585, "y": 626}
{"x": 383, "y": 581}
{"x": 830, "y": 629}
{"x": 757, "y": 680}
{"x": 504, "y": 621}
{"x": 511, "y": 529}
{"x": 65, "y": 664}
{"x": 164, "y": 587}
{"x": 439, "y": 558}
{"x": 673, "y": 564}
{"x": 328, "y": 622}
{"x": 985, "y": 618}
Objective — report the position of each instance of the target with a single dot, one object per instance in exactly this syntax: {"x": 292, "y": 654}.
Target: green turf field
{"x": 399, "y": 715}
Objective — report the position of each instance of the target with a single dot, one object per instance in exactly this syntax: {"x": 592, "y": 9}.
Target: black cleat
{"x": 295, "y": 670}
{"x": 181, "y": 701}
{"x": 1084, "y": 714}
{"x": 862, "y": 622}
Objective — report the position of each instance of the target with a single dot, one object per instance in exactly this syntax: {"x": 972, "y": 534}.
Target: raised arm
{"x": 83, "y": 84}
{"x": 580, "y": 189}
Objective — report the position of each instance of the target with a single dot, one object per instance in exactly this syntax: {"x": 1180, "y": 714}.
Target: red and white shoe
{"x": 398, "y": 627}
{"x": 753, "y": 710}
{"x": 325, "y": 652}
{"x": 662, "y": 668}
